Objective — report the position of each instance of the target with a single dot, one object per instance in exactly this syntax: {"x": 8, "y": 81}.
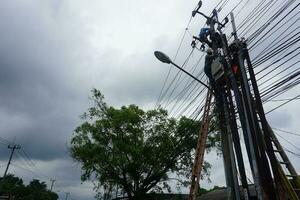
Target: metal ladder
{"x": 200, "y": 149}
{"x": 291, "y": 181}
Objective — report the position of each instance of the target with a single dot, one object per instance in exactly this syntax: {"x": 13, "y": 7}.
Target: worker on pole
{"x": 207, "y": 65}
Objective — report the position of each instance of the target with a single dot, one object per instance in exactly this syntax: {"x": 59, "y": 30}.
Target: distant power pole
{"x": 67, "y": 195}
{"x": 52, "y": 183}
{"x": 13, "y": 148}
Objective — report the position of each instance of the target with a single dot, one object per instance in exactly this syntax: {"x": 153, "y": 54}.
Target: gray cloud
{"x": 50, "y": 59}
{"x": 53, "y": 52}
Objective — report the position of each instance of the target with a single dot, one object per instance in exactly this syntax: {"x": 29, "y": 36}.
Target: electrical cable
{"x": 269, "y": 35}
{"x": 282, "y": 104}
{"x": 251, "y": 14}
{"x": 292, "y": 144}
{"x": 282, "y": 99}
{"x": 176, "y": 54}
{"x": 254, "y": 20}
{"x": 289, "y": 132}
{"x": 180, "y": 82}
{"x": 270, "y": 20}
{"x": 179, "y": 73}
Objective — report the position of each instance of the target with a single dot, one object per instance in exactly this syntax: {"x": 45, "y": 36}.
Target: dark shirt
{"x": 207, "y": 67}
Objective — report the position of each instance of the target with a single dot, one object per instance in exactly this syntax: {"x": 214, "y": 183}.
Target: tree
{"x": 38, "y": 191}
{"x": 132, "y": 150}
{"x": 35, "y": 190}
{"x": 12, "y": 184}
{"x": 202, "y": 191}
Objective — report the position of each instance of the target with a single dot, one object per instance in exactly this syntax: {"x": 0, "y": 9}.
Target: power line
{"x": 26, "y": 169}
{"x": 178, "y": 75}
{"x": 272, "y": 19}
{"x": 291, "y": 152}
{"x": 292, "y": 144}
{"x": 175, "y": 78}
{"x": 284, "y": 131}
{"x": 170, "y": 67}
{"x": 176, "y": 54}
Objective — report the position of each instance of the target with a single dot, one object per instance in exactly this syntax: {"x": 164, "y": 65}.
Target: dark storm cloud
{"x": 37, "y": 103}
{"x": 53, "y": 52}
{"x": 136, "y": 79}
{"x": 48, "y": 67}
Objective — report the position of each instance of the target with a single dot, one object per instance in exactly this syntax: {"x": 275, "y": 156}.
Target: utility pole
{"x": 52, "y": 183}
{"x": 13, "y": 148}
{"x": 67, "y": 195}
{"x": 226, "y": 137}
{"x": 249, "y": 143}
{"x": 232, "y": 72}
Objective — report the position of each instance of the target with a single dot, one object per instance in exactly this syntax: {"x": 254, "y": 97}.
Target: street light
{"x": 166, "y": 59}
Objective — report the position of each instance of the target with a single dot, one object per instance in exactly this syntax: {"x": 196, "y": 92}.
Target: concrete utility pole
{"x": 67, "y": 195}
{"x": 13, "y": 148}
{"x": 52, "y": 183}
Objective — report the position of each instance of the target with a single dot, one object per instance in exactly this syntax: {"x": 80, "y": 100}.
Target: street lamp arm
{"x": 166, "y": 59}
{"x": 191, "y": 75}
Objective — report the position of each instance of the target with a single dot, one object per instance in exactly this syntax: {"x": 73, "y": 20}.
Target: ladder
{"x": 291, "y": 181}
{"x": 200, "y": 149}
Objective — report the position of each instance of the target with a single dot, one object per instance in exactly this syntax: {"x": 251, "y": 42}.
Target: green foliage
{"x": 214, "y": 137}
{"x": 35, "y": 190}
{"x": 217, "y": 188}
{"x": 131, "y": 150}
{"x": 204, "y": 191}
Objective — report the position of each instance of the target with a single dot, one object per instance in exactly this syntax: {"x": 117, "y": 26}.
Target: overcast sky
{"x": 53, "y": 52}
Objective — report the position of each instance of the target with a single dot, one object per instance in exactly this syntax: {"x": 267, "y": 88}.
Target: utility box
{"x": 217, "y": 69}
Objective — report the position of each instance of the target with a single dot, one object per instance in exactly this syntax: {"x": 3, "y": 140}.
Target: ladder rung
{"x": 297, "y": 189}
{"x": 277, "y": 151}
{"x": 284, "y": 163}
{"x": 291, "y": 175}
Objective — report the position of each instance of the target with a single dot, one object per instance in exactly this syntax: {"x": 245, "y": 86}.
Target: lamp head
{"x": 162, "y": 57}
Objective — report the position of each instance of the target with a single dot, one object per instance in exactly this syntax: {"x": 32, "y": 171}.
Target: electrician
{"x": 207, "y": 65}
{"x": 203, "y": 36}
